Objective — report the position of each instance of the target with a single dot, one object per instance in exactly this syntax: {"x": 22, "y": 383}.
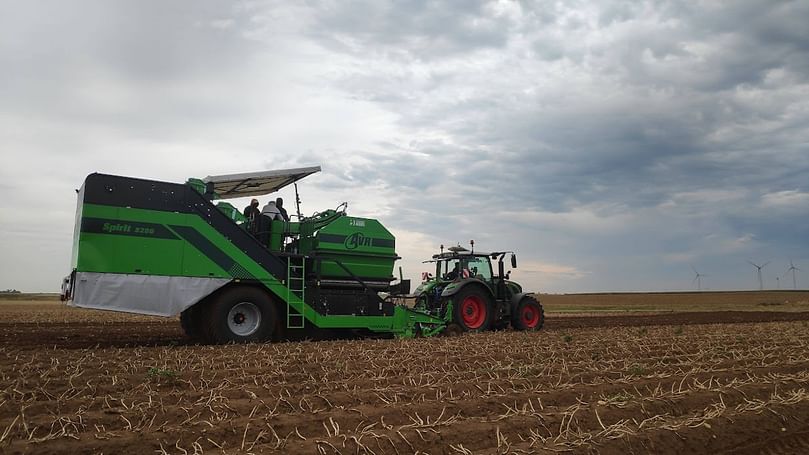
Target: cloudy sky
{"x": 614, "y": 145}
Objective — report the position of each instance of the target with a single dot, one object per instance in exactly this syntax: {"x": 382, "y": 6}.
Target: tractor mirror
{"x": 513, "y": 261}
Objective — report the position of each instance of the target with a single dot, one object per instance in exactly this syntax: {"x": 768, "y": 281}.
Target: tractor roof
{"x": 458, "y": 254}
{"x": 257, "y": 183}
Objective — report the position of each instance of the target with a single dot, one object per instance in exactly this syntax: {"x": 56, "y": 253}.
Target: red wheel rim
{"x": 473, "y": 312}
{"x": 530, "y": 316}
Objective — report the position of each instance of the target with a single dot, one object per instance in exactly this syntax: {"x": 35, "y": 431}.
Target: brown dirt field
{"x": 677, "y": 302}
{"x": 727, "y": 382}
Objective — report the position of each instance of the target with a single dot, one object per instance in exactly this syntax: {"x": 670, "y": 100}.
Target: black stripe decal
{"x": 331, "y": 238}
{"x": 129, "y": 228}
{"x": 213, "y": 252}
{"x": 383, "y": 243}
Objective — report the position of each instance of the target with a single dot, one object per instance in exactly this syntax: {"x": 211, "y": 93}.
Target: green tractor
{"x": 465, "y": 292}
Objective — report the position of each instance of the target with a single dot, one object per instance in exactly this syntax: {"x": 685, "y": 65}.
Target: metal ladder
{"x": 296, "y": 272}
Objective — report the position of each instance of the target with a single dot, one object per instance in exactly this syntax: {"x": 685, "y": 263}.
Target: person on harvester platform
{"x": 251, "y": 212}
{"x": 279, "y": 204}
{"x": 271, "y": 211}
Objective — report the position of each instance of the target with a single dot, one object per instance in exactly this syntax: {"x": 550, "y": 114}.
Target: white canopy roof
{"x": 257, "y": 183}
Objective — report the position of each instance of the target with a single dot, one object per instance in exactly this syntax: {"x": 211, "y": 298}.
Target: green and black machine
{"x": 161, "y": 248}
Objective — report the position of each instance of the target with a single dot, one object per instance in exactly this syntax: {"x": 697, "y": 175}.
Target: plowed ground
{"x": 724, "y": 382}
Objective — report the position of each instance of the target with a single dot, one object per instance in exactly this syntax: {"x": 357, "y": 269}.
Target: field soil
{"x": 651, "y": 381}
{"x": 661, "y": 302}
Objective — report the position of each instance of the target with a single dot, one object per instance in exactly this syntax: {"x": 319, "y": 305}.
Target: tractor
{"x": 466, "y": 293}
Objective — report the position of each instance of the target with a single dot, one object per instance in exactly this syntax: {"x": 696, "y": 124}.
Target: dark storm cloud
{"x": 411, "y": 29}
{"x": 639, "y": 131}
{"x": 614, "y": 109}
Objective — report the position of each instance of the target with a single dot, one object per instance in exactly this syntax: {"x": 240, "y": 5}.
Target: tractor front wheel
{"x": 528, "y": 314}
{"x": 242, "y": 315}
{"x": 472, "y": 310}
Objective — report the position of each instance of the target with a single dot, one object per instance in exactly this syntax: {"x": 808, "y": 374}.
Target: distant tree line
{"x": 10, "y": 291}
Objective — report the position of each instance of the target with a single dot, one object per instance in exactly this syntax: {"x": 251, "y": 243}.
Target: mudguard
{"x": 515, "y": 300}
{"x": 514, "y": 287}
{"x": 454, "y": 287}
{"x": 422, "y": 289}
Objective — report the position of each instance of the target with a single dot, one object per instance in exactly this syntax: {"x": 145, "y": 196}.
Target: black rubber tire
{"x": 481, "y": 301}
{"x": 193, "y": 323}
{"x": 218, "y": 309}
{"x": 528, "y": 314}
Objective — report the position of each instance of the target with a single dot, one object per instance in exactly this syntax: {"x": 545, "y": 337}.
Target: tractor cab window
{"x": 480, "y": 268}
{"x": 449, "y": 269}
{"x": 465, "y": 267}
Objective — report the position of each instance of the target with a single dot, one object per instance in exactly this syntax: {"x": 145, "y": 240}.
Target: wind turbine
{"x": 792, "y": 269}
{"x": 698, "y": 278}
{"x": 760, "y": 279}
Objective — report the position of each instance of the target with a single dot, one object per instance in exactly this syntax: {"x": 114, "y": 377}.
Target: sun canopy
{"x": 256, "y": 183}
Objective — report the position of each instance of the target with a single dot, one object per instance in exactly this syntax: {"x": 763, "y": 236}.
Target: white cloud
{"x": 789, "y": 199}
{"x": 581, "y": 220}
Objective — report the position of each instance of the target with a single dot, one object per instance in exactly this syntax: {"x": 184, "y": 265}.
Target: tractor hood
{"x": 257, "y": 183}
{"x": 424, "y": 287}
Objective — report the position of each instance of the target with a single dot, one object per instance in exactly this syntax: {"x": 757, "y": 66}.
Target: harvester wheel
{"x": 528, "y": 314}
{"x": 241, "y": 315}
{"x": 473, "y": 309}
{"x": 193, "y": 323}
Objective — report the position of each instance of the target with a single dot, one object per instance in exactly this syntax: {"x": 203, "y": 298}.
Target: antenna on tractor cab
{"x": 442, "y": 248}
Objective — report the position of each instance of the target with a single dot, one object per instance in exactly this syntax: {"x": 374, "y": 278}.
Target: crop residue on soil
{"x": 670, "y": 383}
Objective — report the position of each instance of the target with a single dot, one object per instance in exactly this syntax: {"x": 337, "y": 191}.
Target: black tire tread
{"x": 215, "y": 318}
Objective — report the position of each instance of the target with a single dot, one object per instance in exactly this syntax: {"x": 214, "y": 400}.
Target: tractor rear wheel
{"x": 472, "y": 309}
{"x": 528, "y": 314}
{"x": 241, "y": 315}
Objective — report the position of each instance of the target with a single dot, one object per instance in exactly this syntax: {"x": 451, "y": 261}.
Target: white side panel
{"x": 143, "y": 294}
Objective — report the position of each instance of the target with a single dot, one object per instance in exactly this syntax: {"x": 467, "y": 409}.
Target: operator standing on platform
{"x": 271, "y": 211}
{"x": 252, "y": 213}
{"x": 279, "y": 204}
